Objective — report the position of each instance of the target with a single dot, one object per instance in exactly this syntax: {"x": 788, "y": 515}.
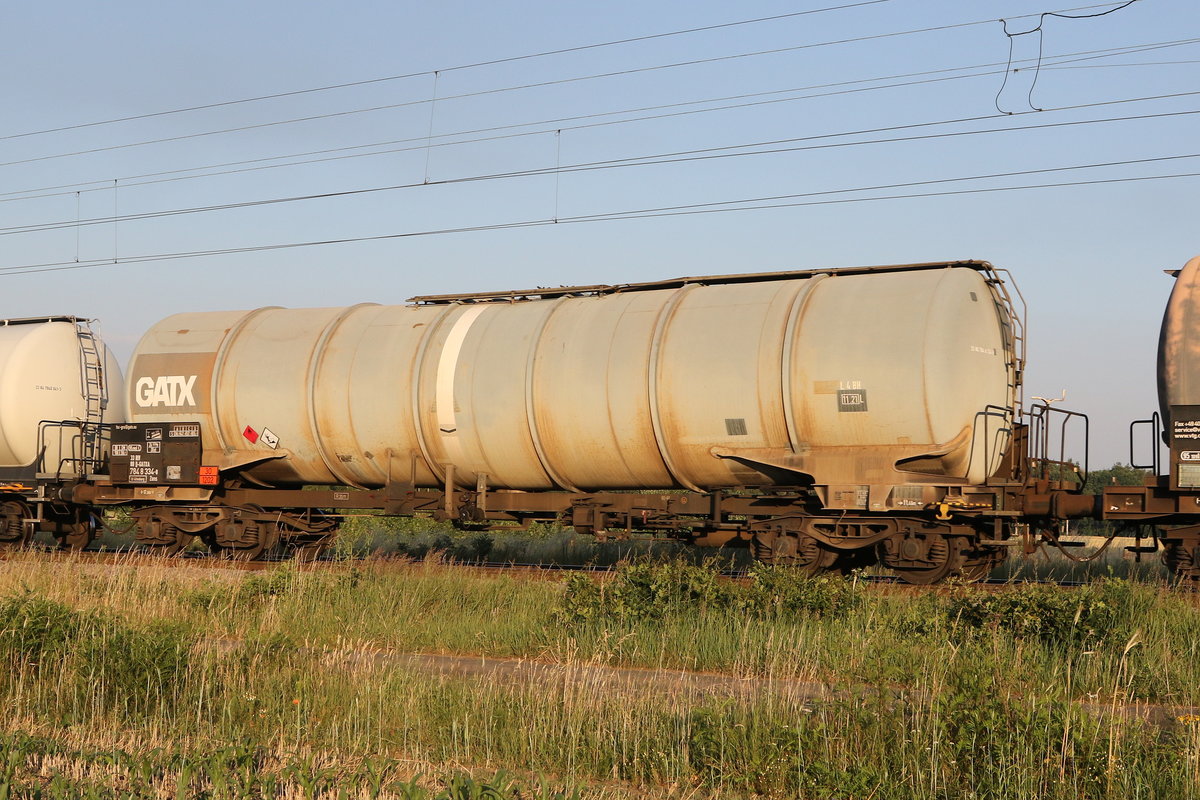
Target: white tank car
{"x": 55, "y": 370}
{"x": 858, "y": 380}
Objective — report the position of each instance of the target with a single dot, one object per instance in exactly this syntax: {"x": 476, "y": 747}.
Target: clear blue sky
{"x": 1088, "y": 258}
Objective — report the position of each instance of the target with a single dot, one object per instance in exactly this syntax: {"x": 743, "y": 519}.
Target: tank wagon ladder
{"x": 996, "y": 278}
{"x": 95, "y": 393}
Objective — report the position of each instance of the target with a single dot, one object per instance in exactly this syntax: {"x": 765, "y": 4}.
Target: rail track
{"x": 135, "y": 556}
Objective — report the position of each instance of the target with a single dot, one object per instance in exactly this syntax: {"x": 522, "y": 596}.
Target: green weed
{"x": 650, "y": 591}
{"x": 1091, "y": 613}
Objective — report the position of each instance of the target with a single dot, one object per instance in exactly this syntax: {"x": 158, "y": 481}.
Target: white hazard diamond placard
{"x": 269, "y": 438}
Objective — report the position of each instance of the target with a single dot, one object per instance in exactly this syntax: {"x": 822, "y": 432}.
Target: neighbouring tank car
{"x": 1171, "y": 501}
{"x": 824, "y": 418}
{"x": 60, "y": 389}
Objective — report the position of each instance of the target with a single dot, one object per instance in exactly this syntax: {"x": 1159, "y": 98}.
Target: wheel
{"x": 74, "y": 530}
{"x": 14, "y": 532}
{"x": 175, "y": 542}
{"x": 306, "y": 535}
{"x": 981, "y": 563}
{"x": 243, "y": 536}
{"x": 859, "y": 558}
{"x": 79, "y": 534}
{"x": 974, "y": 571}
{"x": 235, "y": 553}
{"x": 804, "y": 553}
{"x": 161, "y": 538}
{"x": 1180, "y": 560}
{"x": 248, "y": 552}
{"x": 923, "y": 558}
{"x": 306, "y": 551}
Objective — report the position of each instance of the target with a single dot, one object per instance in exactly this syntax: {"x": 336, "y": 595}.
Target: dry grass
{"x": 149, "y": 680}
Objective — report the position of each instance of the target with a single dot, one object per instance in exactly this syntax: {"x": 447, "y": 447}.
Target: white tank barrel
{"x": 875, "y": 376}
{"x": 53, "y": 369}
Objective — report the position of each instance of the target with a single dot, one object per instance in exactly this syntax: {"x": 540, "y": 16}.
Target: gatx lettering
{"x": 165, "y": 390}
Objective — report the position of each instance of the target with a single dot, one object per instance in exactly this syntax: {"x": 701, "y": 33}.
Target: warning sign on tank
{"x": 155, "y": 453}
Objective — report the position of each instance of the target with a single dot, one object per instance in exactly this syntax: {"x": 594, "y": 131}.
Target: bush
{"x": 475, "y": 547}
{"x": 137, "y": 667}
{"x": 1089, "y": 614}
{"x": 783, "y": 591}
{"x": 122, "y": 664}
{"x": 643, "y": 592}
{"x": 277, "y": 582}
{"x": 211, "y": 594}
{"x": 650, "y": 591}
{"x": 732, "y": 748}
{"x": 34, "y": 629}
{"x": 985, "y": 735}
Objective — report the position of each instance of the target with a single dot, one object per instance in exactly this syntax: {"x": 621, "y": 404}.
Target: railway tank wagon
{"x": 1171, "y": 501}
{"x": 1179, "y": 377}
{"x": 700, "y": 386}
{"x": 60, "y": 388}
{"x": 825, "y": 418}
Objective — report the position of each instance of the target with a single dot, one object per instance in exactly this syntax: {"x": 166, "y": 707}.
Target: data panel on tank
{"x": 156, "y": 453}
{"x": 1185, "y": 446}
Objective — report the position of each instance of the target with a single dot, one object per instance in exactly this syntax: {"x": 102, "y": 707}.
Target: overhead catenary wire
{"x": 479, "y": 64}
{"x": 632, "y": 214}
{"x": 424, "y": 143}
{"x": 424, "y": 140}
{"x": 687, "y": 155}
{"x": 681, "y": 156}
{"x": 1038, "y": 29}
{"x": 745, "y": 204}
{"x": 497, "y": 90}
{"x": 1126, "y": 64}
{"x": 450, "y": 68}
{"x": 901, "y": 185}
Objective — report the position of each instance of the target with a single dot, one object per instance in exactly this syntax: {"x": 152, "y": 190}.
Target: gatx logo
{"x": 165, "y": 390}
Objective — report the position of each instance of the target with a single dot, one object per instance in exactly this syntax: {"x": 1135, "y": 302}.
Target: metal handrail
{"x": 1040, "y": 449}
{"x": 99, "y": 433}
{"x": 989, "y": 412}
{"x": 1155, "y": 423}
